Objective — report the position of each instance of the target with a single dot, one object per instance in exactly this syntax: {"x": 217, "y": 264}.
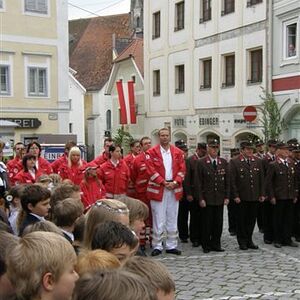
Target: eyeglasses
{"x": 100, "y": 203}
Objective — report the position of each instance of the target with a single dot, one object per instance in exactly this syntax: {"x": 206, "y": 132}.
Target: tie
{"x": 286, "y": 163}
{"x": 215, "y": 164}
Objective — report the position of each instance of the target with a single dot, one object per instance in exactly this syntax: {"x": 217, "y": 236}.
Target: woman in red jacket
{"x": 115, "y": 174}
{"x": 42, "y": 165}
{"x": 29, "y": 174}
{"x": 73, "y": 170}
{"x": 91, "y": 186}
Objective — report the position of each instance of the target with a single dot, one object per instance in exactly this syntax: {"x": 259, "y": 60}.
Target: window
{"x": 108, "y": 120}
{"x": 206, "y": 74}
{"x": 228, "y": 7}
{"x": 156, "y": 83}
{"x": 253, "y": 2}
{"x": 1, "y": 4}
{"x": 36, "y": 6}
{"x": 37, "y": 81}
{"x": 133, "y": 78}
{"x": 4, "y": 80}
{"x": 206, "y": 10}
{"x": 156, "y": 25}
{"x": 179, "y": 79}
{"x": 229, "y": 68}
{"x": 255, "y": 66}
{"x": 70, "y": 127}
{"x": 291, "y": 40}
{"x": 179, "y": 16}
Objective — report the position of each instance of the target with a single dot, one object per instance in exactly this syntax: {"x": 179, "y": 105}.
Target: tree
{"x": 123, "y": 138}
{"x": 270, "y": 116}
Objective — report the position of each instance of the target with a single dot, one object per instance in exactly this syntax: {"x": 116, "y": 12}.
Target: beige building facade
{"x": 34, "y": 68}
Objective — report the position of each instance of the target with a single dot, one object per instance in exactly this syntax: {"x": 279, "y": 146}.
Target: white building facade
{"x": 205, "y": 61}
{"x": 286, "y": 63}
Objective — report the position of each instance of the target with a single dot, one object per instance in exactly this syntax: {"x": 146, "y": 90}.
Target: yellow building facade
{"x": 33, "y": 69}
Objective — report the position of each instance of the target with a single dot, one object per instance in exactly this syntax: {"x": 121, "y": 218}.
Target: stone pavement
{"x": 267, "y": 273}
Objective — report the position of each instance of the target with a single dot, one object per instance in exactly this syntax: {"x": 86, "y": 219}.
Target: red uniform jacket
{"x": 63, "y": 160}
{"x": 74, "y": 173}
{"x": 139, "y": 176}
{"x": 101, "y": 159}
{"x": 129, "y": 159}
{"x": 91, "y": 191}
{"x": 44, "y": 166}
{"x": 25, "y": 177}
{"x": 115, "y": 179}
{"x": 156, "y": 171}
{"x": 14, "y": 166}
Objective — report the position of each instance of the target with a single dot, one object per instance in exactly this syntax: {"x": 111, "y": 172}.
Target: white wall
{"x": 76, "y": 116}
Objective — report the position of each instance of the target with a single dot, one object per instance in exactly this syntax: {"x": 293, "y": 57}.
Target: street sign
{"x": 250, "y": 113}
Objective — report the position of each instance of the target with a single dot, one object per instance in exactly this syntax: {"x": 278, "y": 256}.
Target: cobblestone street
{"x": 267, "y": 273}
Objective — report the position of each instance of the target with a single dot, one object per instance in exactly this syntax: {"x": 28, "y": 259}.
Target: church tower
{"x": 137, "y": 15}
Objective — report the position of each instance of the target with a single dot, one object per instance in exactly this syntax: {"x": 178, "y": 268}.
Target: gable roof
{"x": 135, "y": 50}
{"x": 92, "y": 55}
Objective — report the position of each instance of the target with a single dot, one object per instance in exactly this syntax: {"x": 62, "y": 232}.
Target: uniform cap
{"x": 201, "y": 146}
{"x": 272, "y": 142}
{"x": 247, "y": 144}
{"x": 282, "y": 145}
{"x": 213, "y": 143}
{"x": 259, "y": 142}
{"x": 234, "y": 151}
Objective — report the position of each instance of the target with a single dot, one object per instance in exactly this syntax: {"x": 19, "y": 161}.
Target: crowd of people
{"x": 81, "y": 229}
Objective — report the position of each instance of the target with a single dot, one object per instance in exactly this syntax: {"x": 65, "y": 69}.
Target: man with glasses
{"x": 14, "y": 166}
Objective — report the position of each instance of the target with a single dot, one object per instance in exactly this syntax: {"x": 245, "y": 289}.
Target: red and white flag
{"x": 127, "y": 102}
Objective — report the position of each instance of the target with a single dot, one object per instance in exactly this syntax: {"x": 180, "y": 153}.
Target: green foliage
{"x": 271, "y": 117}
{"x": 123, "y": 138}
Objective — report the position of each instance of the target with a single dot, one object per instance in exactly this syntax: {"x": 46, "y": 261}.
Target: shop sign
{"x": 25, "y": 122}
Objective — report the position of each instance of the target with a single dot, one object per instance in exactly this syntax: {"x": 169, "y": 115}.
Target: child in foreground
{"x": 41, "y": 266}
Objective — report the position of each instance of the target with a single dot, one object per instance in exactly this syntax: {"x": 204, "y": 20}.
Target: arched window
{"x": 108, "y": 119}
{"x": 138, "y": 22}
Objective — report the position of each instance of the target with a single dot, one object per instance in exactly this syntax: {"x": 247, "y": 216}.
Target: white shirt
{"x": 115, "y": 164}
{"x": 69, "y": 234}
{"x": 213, "y": 159}
{"x": 38, "y": 217}
{"x": 167, "y": 159}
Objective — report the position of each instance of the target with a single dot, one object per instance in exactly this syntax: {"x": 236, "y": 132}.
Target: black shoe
{"x": 173, "y": 251}
{"x": 184, "y": 241}
{"x": 252, "y": 246}
{"x": 206, "y": 250}
{"x": 195, "y": 244}
{"x": 243, "y": 247}
{"x": 155, "y": 252}
{"x": 267, "y": 242}
{"x": 291, "y": 244}
{"x": 277, "y": 245}
{"x": 218, "y": 249}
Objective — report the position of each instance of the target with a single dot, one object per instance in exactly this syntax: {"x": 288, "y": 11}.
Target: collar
{"x": 38, "y": 217}
{"x": 69, "y": 234}
{"x": 163, "y": 150}
{"x": 115, "y": 164}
